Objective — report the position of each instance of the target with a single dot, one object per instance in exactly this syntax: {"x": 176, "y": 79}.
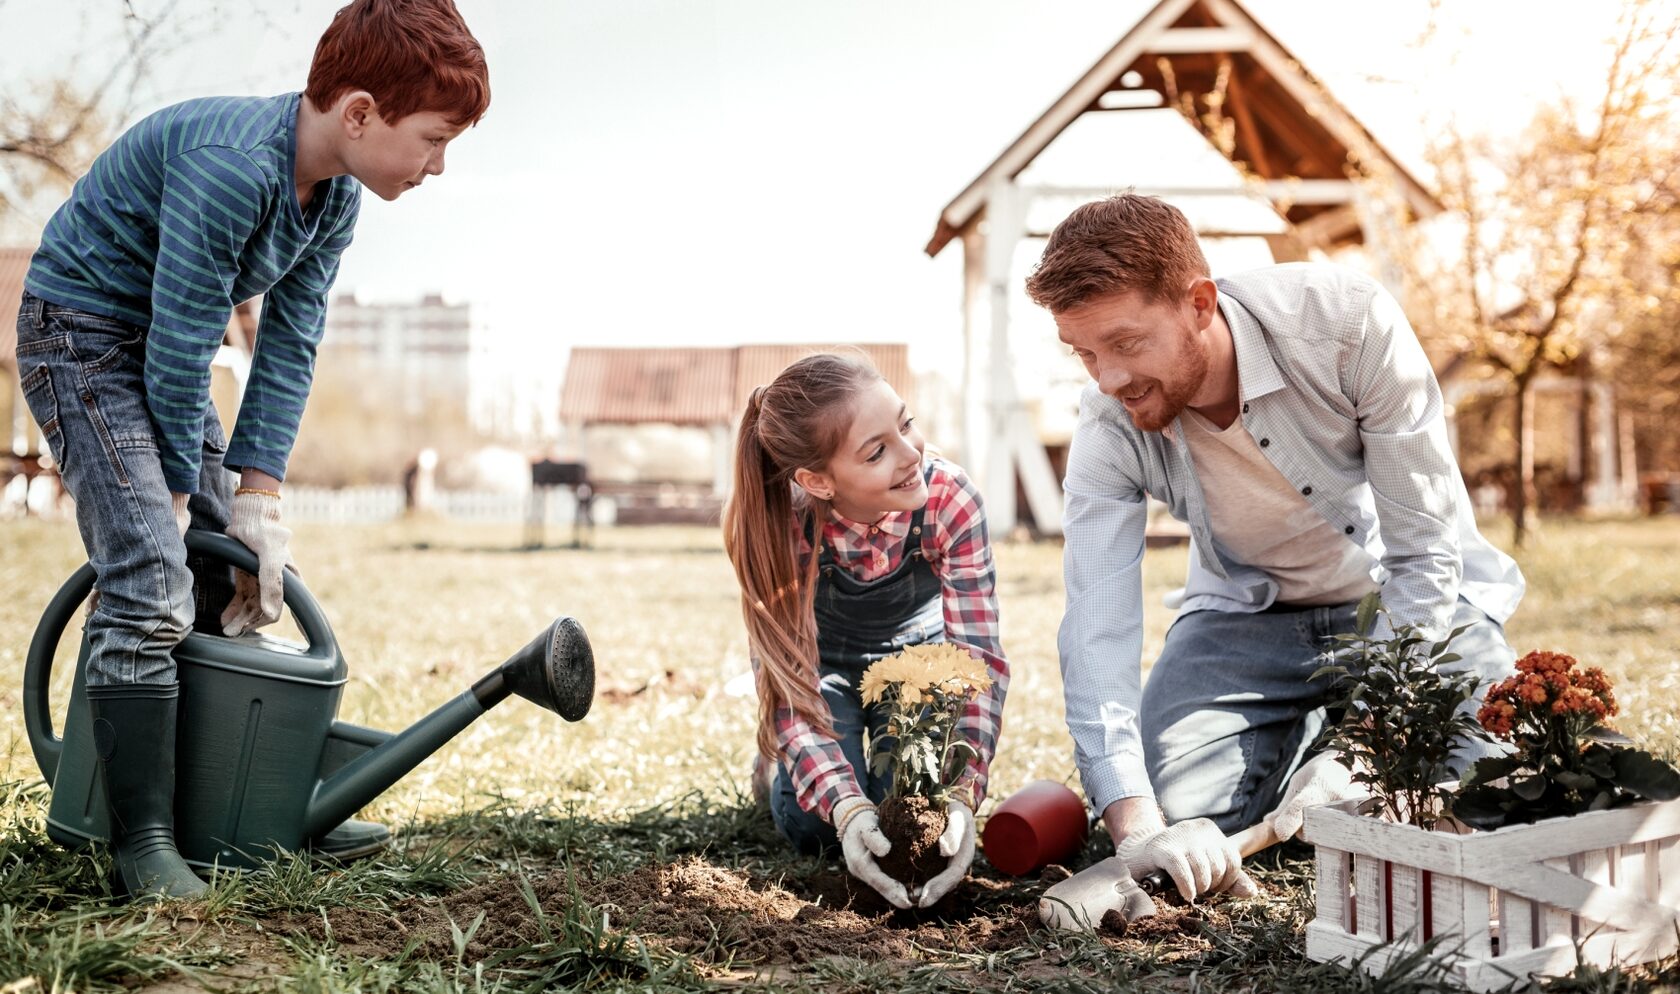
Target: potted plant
{"x": 1400, "y": 716}
{"x": 1596, "y": 876}
{"x": 925, "y": 690}
{"x": 1566, "y": 761}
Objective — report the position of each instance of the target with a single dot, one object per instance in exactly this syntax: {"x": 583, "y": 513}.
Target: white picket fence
{"x": 372, "y": 505}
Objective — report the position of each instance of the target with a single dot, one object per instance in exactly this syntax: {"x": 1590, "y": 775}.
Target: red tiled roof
{"x": 690, "y": 386}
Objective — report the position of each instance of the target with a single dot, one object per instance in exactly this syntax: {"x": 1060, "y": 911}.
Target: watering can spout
{"x": 556, "y": 670}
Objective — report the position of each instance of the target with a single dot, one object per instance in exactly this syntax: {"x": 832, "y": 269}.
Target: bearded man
{"x": 1290, "y": 417}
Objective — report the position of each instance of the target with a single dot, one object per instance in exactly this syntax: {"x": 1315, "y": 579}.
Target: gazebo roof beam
{"x": 1179, "y": 41}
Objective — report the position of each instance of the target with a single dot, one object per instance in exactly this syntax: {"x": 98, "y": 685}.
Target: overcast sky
{"x": 720, "y": 171}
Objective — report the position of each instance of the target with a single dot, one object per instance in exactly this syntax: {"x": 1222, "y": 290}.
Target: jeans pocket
{"x": 42, "y": 399}
{"x": 95, "y": 340}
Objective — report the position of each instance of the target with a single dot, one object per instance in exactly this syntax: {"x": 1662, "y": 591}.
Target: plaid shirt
{"x": 1336, "y": 389}
{"x": 955, "y": 542}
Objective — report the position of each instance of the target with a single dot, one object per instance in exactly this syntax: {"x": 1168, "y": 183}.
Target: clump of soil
{"x": 913, "y": 826}
{"x": 726, "y": 915}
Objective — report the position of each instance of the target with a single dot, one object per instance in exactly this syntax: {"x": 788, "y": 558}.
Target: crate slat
{"x": 1608, "y": 886}
{"x": 1367, "y": 896}
{"x": 1556, "y": 924}
{"x": 1516, "y": 924}
{"x": 1332, "y": 887}
{"x": 1406, "y": 902}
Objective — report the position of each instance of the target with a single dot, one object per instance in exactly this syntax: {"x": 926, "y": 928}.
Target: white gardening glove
{"x": 862, "y": 842}
{"x": 257, "y": 600}
{"x": 958, "y": 845}
{"x": 183, "y": 517}
{"x": 1196, "y": 855}
{"x": 1322, "y": 779}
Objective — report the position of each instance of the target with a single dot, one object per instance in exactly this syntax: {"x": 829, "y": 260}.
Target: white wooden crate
{"x": 1510, "y": 903}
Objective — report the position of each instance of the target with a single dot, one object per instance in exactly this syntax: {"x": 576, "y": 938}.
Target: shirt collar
{"x": 894, "y": 523}
{"x": 1257, "y": 372}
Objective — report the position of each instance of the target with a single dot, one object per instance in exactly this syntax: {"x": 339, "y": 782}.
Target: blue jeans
{"x": 83, "y": 378}
{"x": 1229, "y": 713}
{"x": 806, "y": 829}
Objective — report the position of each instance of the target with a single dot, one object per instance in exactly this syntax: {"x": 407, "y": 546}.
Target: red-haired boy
{"x": 195, "y": 208}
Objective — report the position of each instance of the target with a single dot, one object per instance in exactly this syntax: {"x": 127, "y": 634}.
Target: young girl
{"x": 851, "y": 543}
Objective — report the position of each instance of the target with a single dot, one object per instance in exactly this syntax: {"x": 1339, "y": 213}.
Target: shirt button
{"x": 1245, "y": 408}
{"x": 1265, "y": 442}
{"x": 1348, "y": 530}
{"x": 1306, "y": 491}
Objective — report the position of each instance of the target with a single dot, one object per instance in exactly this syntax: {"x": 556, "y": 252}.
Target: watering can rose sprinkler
{"x": 262, "y": 763}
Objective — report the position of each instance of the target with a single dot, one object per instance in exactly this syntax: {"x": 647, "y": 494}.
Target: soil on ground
{"x": 913, "y": 826}
{"x": 724, "y": 916}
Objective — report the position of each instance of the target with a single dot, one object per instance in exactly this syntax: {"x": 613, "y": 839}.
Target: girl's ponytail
{"x": 796, "y": 421}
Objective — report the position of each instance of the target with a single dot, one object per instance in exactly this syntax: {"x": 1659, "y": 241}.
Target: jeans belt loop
{"x": 37, "y": 312}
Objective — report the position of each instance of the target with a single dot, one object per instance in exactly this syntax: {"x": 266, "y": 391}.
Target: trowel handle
{"x": 1249, "y": 841}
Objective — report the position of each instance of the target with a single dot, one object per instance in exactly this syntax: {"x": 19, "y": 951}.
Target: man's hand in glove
{"x": 958, "y": 845}
{"x": 257, "y": 600}
{"x": 1322, "y": 779}
{"x": 1195, "y": 853}
{"x": 862, "y": 843}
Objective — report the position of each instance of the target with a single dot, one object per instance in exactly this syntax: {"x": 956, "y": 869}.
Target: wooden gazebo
{"x": 1298, "y": 152}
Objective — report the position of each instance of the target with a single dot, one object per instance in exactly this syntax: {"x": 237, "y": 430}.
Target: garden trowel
{"x": 1080, "y": 901}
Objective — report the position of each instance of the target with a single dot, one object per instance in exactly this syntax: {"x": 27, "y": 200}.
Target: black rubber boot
{"x": 134, "y": 735}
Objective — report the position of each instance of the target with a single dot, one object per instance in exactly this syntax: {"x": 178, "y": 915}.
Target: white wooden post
{"x": 1011, "y": 444}
{"x": 1006, "y": 224}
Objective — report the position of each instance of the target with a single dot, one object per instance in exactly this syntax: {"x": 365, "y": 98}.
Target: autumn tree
{"x": 1542, "y": 273}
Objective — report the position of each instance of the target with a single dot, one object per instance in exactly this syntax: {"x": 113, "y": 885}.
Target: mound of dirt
{"x": 913, "y": 827}
{"x": 724, "y": 915}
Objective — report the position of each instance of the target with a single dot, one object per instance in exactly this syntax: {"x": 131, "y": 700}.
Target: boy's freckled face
{"x": 390, "y": 159}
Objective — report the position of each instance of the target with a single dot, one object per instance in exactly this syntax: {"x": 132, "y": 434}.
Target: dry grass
{"x": 421, "y": 610}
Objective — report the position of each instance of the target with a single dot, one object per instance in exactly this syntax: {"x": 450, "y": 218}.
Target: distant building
{"x": 424, "y": 346}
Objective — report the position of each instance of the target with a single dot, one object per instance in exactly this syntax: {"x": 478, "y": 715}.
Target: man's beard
{"x": 1176, "y": 395}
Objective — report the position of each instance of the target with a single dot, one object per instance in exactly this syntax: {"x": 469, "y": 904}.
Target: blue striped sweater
{"x": 191, "y": 211}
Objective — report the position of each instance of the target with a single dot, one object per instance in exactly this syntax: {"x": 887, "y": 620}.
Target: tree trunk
{"x": 1523, "y": 497}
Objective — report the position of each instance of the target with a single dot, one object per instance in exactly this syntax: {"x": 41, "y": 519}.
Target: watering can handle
{"x": 61, "y": 610}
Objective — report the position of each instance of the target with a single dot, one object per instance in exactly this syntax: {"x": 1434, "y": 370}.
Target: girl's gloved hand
{"x": 257, "y": 600}
{"x": 958, "y": 844}
{"x": 862, "y": 843}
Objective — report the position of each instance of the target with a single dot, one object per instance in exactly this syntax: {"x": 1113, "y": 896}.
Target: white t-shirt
{"x": 1260, "y": 519}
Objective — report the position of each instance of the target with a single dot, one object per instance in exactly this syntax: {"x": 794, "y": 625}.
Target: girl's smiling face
{"x": 877, "y": 467}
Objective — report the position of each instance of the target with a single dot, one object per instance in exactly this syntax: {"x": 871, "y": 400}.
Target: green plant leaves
{"x": 1646, "y": 775}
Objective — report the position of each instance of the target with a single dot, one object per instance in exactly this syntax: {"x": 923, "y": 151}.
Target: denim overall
{"x": 858, "y": 623}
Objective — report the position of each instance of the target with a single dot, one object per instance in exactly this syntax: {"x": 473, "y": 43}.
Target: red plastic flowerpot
{"x": 1042, "y": 823}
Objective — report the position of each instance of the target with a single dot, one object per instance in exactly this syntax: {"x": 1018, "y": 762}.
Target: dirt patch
{"x": 722, "y": 915}
{"x": 913, "y": 827}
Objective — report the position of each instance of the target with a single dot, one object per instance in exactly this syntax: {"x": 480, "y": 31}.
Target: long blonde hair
{"x": 797, "y": 421}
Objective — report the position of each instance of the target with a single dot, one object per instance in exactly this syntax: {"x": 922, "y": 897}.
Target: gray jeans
{"x": 1229, "y": 713}
{"x": 83, "y": 377}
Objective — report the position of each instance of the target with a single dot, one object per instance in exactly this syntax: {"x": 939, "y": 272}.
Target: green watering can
{"x": 262, "y": 763}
